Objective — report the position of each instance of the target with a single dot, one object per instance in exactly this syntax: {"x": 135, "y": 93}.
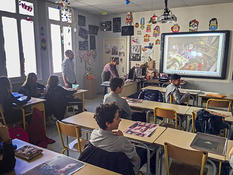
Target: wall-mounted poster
{"x": 83, "y": 33}
{"x": 135, "y": 53}
{"x": 92, "y": 43}
{"x": 93, "y": 30}
{"x": 81, "y": 20}
{"x": 116, "y": 24}
{"x": 83, "y": 45}
{"x": 106, "y": 26}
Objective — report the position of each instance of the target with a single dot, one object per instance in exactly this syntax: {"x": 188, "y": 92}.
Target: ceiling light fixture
{"x": 167, "y": 16}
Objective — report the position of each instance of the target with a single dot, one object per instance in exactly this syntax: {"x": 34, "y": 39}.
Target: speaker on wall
{"x": 127, "y": 30}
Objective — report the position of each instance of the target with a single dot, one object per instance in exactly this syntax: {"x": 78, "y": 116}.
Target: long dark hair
{"x": 52, "y": 82}
{"x": 30, "y": 80}
{"x": 5, "y": 86}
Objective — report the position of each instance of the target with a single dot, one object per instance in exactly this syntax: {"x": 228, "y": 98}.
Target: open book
{"x": 59, "y": 165}
{"x": 141, "y": 129}
{"x": 132, "y": 100}
{"x": 28, "y": 152}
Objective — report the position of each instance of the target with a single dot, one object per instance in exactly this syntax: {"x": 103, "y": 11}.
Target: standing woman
{"x": 30, "y": 86}
{"x": 110, "y": 70}
{"x": 9, "y": 102}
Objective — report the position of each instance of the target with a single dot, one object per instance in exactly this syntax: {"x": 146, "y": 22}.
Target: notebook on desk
{"x": 210, "y": 143}
{"x": 141, "y": 129}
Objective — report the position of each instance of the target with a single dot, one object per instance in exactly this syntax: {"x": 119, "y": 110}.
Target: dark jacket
{"x": 9, "y": 103}
{"x": 8, "y": 158}
{"x": 151, "y": 95}
{"x": 57, "y": 99}
{"x": 209, "y": 123}
{"x": 114, "y": 161}
{"x": 33, "y": 91}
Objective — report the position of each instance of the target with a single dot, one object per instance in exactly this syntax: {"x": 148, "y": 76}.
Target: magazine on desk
{"x": 210, "y": 143}
{"x": 60, "y": 165}
{"x": 141, "y": 129}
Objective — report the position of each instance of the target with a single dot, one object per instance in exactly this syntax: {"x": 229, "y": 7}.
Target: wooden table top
{"x": 22, "y": 165}
{"x": 86, "y": 120}
{"x": 182, "y": 139}
{"x": 183, "y": 91}
{"x": 224, "y": 113}
{"x": 229, "y": 146}
{"x": 150, "y": 105}
{"x": 34, "y": 100}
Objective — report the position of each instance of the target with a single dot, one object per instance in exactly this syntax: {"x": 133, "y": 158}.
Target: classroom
{"x": 138, "y": 87}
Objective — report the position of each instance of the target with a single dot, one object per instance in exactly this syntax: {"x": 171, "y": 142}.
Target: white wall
{"x": 223, "y": 13}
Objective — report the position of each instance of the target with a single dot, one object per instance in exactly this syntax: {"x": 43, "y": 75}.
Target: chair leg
{"x": 220, "y": 168}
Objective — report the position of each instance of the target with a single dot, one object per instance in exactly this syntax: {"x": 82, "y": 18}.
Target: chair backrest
{"x": 165, "y": 113}
{"x": 114, "y": 161}
{"x": 39, "y": 106}
{"x": 172, "y": 99}
{"x": 184, "y": 156}
{"x": 68, "y": 130}
{"x": 221, "y": 103}
{"x": 2, "y": 114}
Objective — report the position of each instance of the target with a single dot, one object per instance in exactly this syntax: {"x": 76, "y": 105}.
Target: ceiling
{"x": 119, "y": 6}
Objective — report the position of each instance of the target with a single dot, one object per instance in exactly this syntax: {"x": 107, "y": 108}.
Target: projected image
{"x": 195, "y": 54}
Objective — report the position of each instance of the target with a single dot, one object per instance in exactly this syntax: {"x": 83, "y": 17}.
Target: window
{"x": 11, "y": 46}
{"x": 56, "y": 47}
{"x": 27, "y": 28}
{"x": 20, "y": 52}
{"x": 61, "y": 35}
{"x": 8, "y": 6}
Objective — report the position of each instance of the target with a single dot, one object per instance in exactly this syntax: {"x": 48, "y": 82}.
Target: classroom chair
{"x": 2, "y": 117}
{"x": 184, "y": 161}
{"x": 167, "y": 114}
{"x": 220, "y": 103}
{"x": 172, "y": 99}
{"x": 25, "y": 113}
{"x": 70, "y": 130}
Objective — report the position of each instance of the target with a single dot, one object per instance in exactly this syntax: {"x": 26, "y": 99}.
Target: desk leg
{"x": 24, "y": 120}
{"x": 220, "y": 167}
{"x": 83, "y": 102}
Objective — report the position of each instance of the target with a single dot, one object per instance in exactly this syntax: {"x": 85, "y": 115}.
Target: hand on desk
{"x": 117, "y": 132}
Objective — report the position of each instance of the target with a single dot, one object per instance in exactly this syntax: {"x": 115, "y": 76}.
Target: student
{"x": 30, "y": 86}
{"x": 116, "y": 86}
{"x": 9, "y": 102}
{"x": 58, "y": 98}
{"x": 110, "y": 139}
{"x": 110, "y": 70}
{"x": 68, "y": 73}
{"x": 7, "y": 163}
{"x": 172, "y": 89}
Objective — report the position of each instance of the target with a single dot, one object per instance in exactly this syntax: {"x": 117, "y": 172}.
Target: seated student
{"x": 116, "y": 86}
{"x": 9, "y": 102}
{"x": 30, "y": 87}
{"x": 172, "y": 89}
{"x": 7, "y": 163}
{"x": 58, "y": 98}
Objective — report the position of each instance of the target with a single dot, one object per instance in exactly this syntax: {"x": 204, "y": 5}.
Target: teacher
{"x": 110, "y": 70}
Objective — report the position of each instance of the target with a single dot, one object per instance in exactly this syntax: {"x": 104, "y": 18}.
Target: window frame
{"x": 18, "y": 18}
{"x": 61, "y": 24}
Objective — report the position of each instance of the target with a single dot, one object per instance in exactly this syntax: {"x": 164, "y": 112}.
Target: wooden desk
{"x": 31, "y": 102}
{"x": 194, "y": 93}
{"x": 182, "y": 139}
{"x": 22, "y": 165}
{"x": 86, "y": 120}
{"x": 192, "y": 109}
{"x": 229, "y": 146}
{"x": 150, "y": 105}
{"x": 81, "y": 92}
